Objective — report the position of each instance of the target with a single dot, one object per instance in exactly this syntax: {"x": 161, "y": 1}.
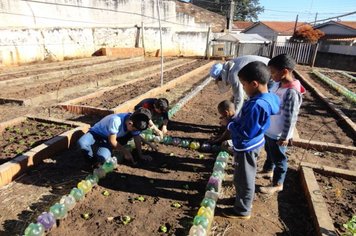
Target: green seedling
{"x": 18, "y": 151}
{"x": 140, "y": 199}
{"x": 176, "y": 205}
{"x": 350, "y": 227}
{"x": 86, "y": 216}
{"x": 186, "y": 186}
{"x": 32, "y": 143}
{"x": 105, "y": 193}
{"x": 11, "y": 139}
{"x": 21, "y": 142}
{"x": 163, "y": 229}
{"x": 126, "y": 219}
{"x": 17, "y": 130}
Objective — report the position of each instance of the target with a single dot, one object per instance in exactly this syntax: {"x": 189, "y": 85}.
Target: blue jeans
{"x": 277, "y": 160}
{"x": 86, "y": 144}
{"x": 244, "y": 180}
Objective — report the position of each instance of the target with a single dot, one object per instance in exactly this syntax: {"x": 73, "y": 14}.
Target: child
{"x": 226, "y": 110}
{"x": 290, "y": 91}
{"x": 113, "y": 132}
{"x": 226, "y": 76}
{"x": 159, "y": 110}
{"x": 247, "y": 132}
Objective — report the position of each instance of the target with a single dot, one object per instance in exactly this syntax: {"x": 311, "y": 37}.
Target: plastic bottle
{"x": 214, "y": 184}
{"x": 157, "y": 139}
{"x": 215, "y": 148}
{"x": 212, "y": 195}
{"x": 185, "y": 143}
{"x": 167, "y": 140}
{"x": 149, "y": 137}
{"x": 197, "y": 230}
{"x": 58, "y": 210}
{"x": 207, "y": 202}
{"x": 201, "y": 220}
{"x": 176, "y": 141}
{"x": 108, "y": 167}
{"x": 205, "y": 147}
{"x": 85, "y": 186}
{"x": 77, "y": 193}
{"x": 68, "y": 201}
{"x": 219, "y": 166}
{"x": 218, "y": 174}
{"x": 194, "y": 145}
{"x": 100, "y": 172}
{"x": 34, "y": 230}
{"x": 94, "y": 179}
{"x": 47, "y": 220}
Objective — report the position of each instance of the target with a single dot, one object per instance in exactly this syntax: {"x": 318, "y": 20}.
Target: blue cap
{"x": 215, "y": 70}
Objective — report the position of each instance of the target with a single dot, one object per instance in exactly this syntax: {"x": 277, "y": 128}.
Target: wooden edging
{"x": 337, "y": 111}
{"x": 318, "y": 207}
{"x": 12, "y": 169}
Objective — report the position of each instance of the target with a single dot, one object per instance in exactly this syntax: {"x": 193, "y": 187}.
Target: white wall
{"x": 263, "y": 31}
{"x": 54, "y": 30}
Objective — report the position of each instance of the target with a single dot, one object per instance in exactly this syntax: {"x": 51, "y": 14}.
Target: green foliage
{"x": 350, "y": 227}
{"x": 245, "y": 10}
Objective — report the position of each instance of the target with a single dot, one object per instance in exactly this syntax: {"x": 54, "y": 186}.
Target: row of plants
{"x": 351, "y": 96}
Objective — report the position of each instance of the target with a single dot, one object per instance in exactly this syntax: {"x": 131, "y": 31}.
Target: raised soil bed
{"x": 19, "y": 138}
{"x": 114, "y": 98}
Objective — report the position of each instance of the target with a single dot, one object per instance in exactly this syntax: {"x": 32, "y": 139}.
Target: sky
{"x": 286, "y": 10}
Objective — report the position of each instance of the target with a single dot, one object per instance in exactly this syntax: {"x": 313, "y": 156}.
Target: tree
{"x": 245, "y": 10}
{"x": 306, "y": 33}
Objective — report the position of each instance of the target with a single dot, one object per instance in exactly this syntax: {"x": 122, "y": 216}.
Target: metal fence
{"x": 303, "y": 53}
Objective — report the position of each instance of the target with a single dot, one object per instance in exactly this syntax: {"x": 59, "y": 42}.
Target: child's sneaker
{"x": 232, "y": 214}
{"x": 264, "y": 174}
{"x": 272, "y": 189}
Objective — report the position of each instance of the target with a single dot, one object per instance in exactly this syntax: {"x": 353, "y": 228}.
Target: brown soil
{"x": 340, "y": 197}
{"x": 342, "y": 80}
{"x": 18, "y": 139}
{"x": 318, "y": 123}
{"x": 113, "y": 98}
{"x": 337, "y": 99}
{"x": 49, "y": 67}
{"x": 50, "y": 86}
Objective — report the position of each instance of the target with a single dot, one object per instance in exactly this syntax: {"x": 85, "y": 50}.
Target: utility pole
{"x": 316, "y": 17}
{"x": 231, "y": 15}
{"x": 296, "y": 23}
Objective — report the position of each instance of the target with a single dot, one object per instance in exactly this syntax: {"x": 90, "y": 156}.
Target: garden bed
{"x": 334, "y": 97}
{"x": 72, "y": 81}
{"x": 340, "y": 197}
{"x": 341, "y": 79}
{"x": 114, "y": 98}
{"x": 19, "y": 138}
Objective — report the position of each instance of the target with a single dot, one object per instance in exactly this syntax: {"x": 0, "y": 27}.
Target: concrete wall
{"x": 267, "y": 33}
{"x": 336, "y": 61}
{"x": 56, "y": 30}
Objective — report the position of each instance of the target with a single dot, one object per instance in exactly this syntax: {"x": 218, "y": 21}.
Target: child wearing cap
{"x": 226, "y": 76}
{"x": 159, "y": 110}
{"x": 113, "y": 132}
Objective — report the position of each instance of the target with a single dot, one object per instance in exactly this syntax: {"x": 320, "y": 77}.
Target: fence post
{"x": 273, "y": 47}
{"x": 207, "y": 44}
{"x": 298, "y": 53}
{"x": 143, "y": 39}
{"x": 314, "y": 54}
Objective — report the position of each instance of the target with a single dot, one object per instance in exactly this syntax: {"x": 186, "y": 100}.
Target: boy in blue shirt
{"x": 113, "y": 132}
{"x": 247, "y": 132}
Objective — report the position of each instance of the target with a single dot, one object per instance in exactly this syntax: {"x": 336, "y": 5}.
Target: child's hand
{"x": 152, "y": 146}
{"x": 282, "y": 143}
{"x": 146, "y": 157}
{"x": 128, "y": 156}
{"x": 164, "y": 129}
{"x": 224, "y": 121}
{"x": 160, "y": 133}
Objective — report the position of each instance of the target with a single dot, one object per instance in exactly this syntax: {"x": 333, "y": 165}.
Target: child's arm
{"x": 155, "y": 128}
{"x": 164, "y": 126}
{"x": 225, "y": 136}
{"x": 248, "y": 126}
{"x": 116, "y": 145}
{"x": 291, "y": 107}
{"x": 137, "y": 140}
